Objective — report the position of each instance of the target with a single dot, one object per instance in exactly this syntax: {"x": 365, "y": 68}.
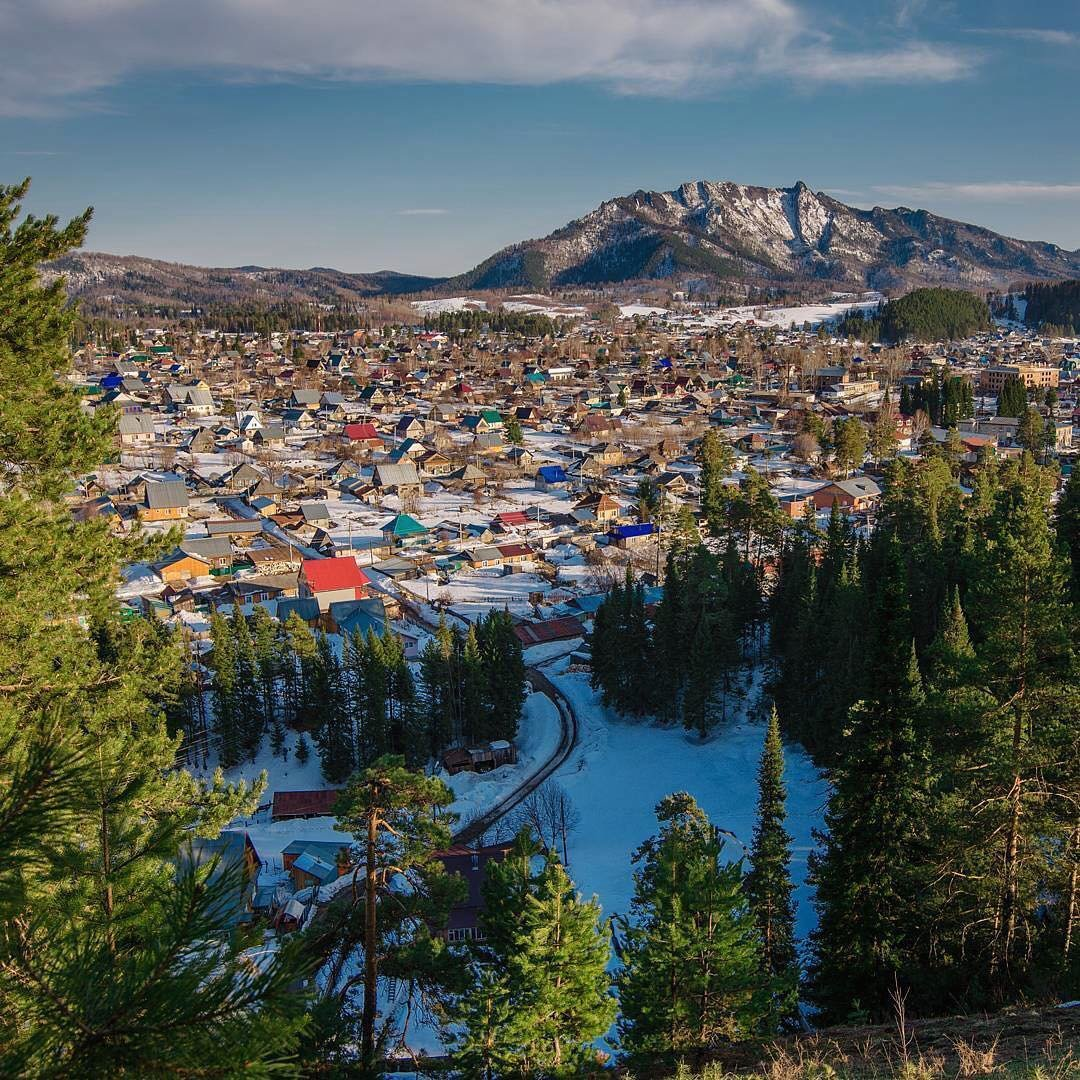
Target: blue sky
{"x": 422, "y": 135}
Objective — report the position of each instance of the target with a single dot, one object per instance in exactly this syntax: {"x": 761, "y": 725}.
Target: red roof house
{"x": 303, "y": 804}
{"x": 364, "y": 433}
{"x": 331, "y": 580}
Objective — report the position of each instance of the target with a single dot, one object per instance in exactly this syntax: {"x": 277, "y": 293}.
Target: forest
{"x": 920, "y": 315}
{"x": 358, "y": 704}
{"x": 932, "y": 672}
{"x": 1053, "y": 308}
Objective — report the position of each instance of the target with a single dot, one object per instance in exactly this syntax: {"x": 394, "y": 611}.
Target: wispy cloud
{"x": 1031, "y": 33}
{"x": 422, "y": 211}
{"x": 986, "y": 190}
{"x": 59, "y": 54}
{"x": 32, "y": 153}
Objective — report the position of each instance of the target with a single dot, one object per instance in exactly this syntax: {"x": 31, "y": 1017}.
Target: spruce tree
{"x": 228, "y": 725}
{"x": 872, "y": 866}
{"x": 690, "y": 975}
{"x": 334, "y": 734}
{"x": 247, "y": 691}
{"x": 542, "y": 968}
{"x": 768, "y": 884}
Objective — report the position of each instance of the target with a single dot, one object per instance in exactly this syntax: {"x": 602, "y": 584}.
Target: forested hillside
{"x": 922, "y": 315}
{"x": 1053, "y": 307}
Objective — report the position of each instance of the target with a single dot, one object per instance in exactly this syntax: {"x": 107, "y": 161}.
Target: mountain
{"x": 705, "y": 230}
{"x": 783, "y": 235}
{"x": 105, "y": 282}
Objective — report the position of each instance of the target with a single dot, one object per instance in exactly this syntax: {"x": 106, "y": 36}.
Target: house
{"x": 409, "y": 427}
{"x": 194, "y": 399}
{"x": 164, "y": 500}
{"x": 479, "y": 759}
{"x": 364, "y": 434}
{"x": 180, "y": 566}
{"x": 463, "y": 923}
{"x": 540, "y": 633}
{"x": 136, "y": 429}
{"x": 515, "y": 554}
{"x": 331, "y": 580}
{"x": 270, "y": 435}
{"x": 402, "y": 530}
{"x": 315, "y": 862}
{"x": 215, "y": 550}
{"x": 402, "y": 479}
{"x": 551, "y": 478}
{"x": 289, "y": 805}
{"x": 631, "y": 536}
{"x": 857, "y": 494}
{"x": 241, "y": 531}
{"x": 600, "y": 507}
{"x": 231, "y": 851}
{"x": 485, "y": 556}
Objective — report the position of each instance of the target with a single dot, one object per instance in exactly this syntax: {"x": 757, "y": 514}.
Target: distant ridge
{"x": 703, "y": 231}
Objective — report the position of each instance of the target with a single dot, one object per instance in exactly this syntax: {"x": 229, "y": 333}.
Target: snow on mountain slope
{"x": 784, "y": 235}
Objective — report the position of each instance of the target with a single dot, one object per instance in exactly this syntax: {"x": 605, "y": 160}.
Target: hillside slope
{"x": 734, "y": 231}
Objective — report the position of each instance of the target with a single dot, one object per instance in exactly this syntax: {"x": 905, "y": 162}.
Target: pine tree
{"x": 690, "y": 973}
{"x": 1026, "y": 658}
{"x": 103, "y": 969}
{"x": 768, "y": 884}
{"x": 394, "y": 815}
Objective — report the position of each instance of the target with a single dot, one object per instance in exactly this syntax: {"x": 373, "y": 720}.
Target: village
{"x": 390, "y": 478}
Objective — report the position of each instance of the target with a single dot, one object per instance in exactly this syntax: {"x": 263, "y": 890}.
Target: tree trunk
{"x": 371, "y": 966}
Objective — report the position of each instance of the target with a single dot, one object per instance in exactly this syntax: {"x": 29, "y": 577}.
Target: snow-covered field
{"x": 622, "y": 769}
{"x": 452, "y": 303}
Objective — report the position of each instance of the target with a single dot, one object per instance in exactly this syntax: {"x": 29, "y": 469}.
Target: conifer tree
{"x": 103, "y": 925}
{"x": 504, "y": 662}
{"x": 334, "y": 734}
{"x": 872, "y": 867}
{"x": 550, "y": 951}
{"x": 717, "y": 460}
{"x": 397, "y": 819}
{"x": 436, "y": 696}
{"x": 247, "y": 691}
{"x": 228, "y": 726}
{"x": 690, "y": 975}
{"x": 768, "y": 884}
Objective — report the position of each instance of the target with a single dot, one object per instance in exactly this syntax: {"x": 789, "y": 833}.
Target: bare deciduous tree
{"x": 550, "y": 814}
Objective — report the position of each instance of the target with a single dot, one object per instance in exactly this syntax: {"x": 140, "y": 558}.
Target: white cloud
{"x": 909, "y": 63}
{"x": 985, "y": 190}
{"x": 1031, "y": 33}
{"x": 422, "y": 211}
{"x": 54, "y": 53}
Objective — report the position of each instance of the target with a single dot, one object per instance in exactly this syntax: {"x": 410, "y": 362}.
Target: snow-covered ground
{"x": 538, "y": 736}
{"x": 622, "y": 769}
{"x": 452, "y": 303}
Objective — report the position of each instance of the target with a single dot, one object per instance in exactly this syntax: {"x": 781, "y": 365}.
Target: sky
{"x": 423, "y": 135}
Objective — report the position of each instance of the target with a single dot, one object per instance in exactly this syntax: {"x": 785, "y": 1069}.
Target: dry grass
{"x": 1040, "y": 1044}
